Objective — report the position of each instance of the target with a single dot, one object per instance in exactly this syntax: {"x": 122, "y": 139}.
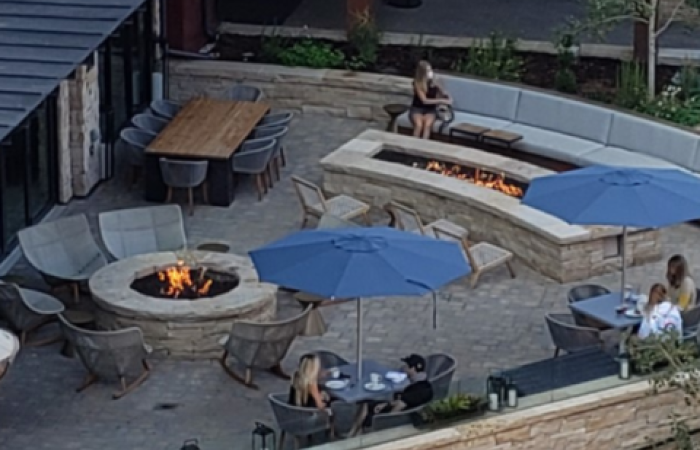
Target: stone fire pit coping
{"x": 111, "y": 291}
{"x": 356, "y": 156}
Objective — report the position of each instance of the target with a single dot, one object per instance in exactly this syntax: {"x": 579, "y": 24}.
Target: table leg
{"x": 220, "y": 182}
{"x": 154, "y": 188}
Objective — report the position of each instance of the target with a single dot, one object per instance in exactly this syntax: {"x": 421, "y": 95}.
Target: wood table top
{"x": 208, "y": 128}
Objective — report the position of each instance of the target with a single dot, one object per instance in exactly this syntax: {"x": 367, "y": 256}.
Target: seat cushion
{"x": 481, "y": 97}
{"x": 557, "y": 146}
{"x": 655, "y": 139}
{"x": 615, "y": 156}
{"x": 565, "y": 116}
{"x": 460, "y": 117}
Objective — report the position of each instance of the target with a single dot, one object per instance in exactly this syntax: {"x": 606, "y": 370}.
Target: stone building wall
{"x": 65, "y": 171}
{"x": 622, "y": 418}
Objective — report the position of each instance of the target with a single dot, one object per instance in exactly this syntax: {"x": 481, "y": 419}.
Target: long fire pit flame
{"x": 179, "y": 279}
{"x": 480, "y": 177}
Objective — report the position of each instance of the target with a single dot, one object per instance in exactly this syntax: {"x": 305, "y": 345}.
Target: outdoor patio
{"x": 499, "y": 324}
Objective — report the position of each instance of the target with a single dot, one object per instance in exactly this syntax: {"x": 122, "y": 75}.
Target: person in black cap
{"x": 418, "y": 392}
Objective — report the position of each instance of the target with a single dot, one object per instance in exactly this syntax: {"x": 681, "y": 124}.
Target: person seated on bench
{"x": 427, "y": 95}
{"x": 419, "y": 392}
{"x": 681, "y": 288}
{"x": 304, "y": 391}
{"x": 659, "y": 315}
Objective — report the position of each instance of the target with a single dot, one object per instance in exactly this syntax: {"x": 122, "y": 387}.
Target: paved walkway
{"x": 535, "y": 20}
{"x": 499, "y": 324}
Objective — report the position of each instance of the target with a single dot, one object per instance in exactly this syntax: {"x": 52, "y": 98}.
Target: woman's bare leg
{"x": 417, "y": 122}
{"x": 428, "y": 121}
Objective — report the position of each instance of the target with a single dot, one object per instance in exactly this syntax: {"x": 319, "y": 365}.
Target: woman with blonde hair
{"x": 681, "y": 287}
{"x": 659, "y": 315}
{"x": 427, "y": 95}
{"x": 304, "y": 390}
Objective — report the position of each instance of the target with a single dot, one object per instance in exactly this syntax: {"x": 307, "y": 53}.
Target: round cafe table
{"x": 9, "y": 346}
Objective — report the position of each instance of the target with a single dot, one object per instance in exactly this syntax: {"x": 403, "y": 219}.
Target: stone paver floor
{"x": 498, "y": 324}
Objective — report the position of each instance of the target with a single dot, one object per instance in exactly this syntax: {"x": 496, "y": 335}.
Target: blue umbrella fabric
{"x": 618, "y": 196}
{"x": 360, "y": 262}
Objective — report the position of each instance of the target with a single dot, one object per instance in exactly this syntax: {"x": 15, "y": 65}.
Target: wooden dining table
{"x": 205, "y": 129}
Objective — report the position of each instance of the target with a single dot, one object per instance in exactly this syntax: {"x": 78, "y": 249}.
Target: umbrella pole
{"x": 624, "y": 262}
{"x": 359, "y": 340}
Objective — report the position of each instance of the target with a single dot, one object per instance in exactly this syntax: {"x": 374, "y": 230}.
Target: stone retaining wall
{"x": 616, "y": 419}
{"x": 338, "y": 93}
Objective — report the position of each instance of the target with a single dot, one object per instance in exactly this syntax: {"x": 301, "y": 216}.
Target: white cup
{"x": 375, "y": 378}
{"x": 334, "y": 372}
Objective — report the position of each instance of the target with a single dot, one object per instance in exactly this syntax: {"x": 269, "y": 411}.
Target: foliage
{"x": 673, "y": 106}
{"x": 688, "y": 79}
{"x": 364, "y": 38}
{"x": 565, "y": 78}
{"x": 272, "y": 46}
{"x": 631, "y": 92}
{"x": 451, "y": 407}
{"x": 494, "y": 58}
{"x": 311, "y": 53}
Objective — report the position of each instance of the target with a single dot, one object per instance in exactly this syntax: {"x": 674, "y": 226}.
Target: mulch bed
{"x": 596, "y": 77}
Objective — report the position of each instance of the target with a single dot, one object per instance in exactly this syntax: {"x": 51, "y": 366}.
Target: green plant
{"x": 451, "y": 407}
{"x": 675, "y": 107}
{"x": 272, "y": 46}
{"x": 494, "y": 58}
{"x": 310, "y": 53}
{"x": 364, "y": 38}
{"x": 565, "y": 78}
{"x": 688, "y": 79}
{"x": 631, "y": 90}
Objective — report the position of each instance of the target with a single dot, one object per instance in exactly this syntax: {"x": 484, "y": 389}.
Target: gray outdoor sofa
{"x": 563, "y": 129}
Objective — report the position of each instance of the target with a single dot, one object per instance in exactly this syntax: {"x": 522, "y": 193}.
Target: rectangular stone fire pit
{"x": 550, "y": 246}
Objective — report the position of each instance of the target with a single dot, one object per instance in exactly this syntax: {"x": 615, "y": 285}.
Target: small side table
{"x": 467, "y": 129}
{"x": 394, "y": 110}
{"x": 502, "y": 137}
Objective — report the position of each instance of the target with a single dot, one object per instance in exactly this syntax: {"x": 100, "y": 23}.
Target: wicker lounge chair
{"x": 315, "y": 204}
{"x": 110, "y": 354}
{"x": 129, "y": 232}
{"x": 261, "y": 345}
{"x": 482, "y": 256}
{"x": 63, "y": 251}
{"x": 407, "y": 219}
{"x": 296, "y": 421}
{"x": 568, "y": 336}
{"x": 27, "y": 310}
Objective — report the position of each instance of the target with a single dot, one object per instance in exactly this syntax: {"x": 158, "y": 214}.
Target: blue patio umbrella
{"x": 360, "y": 262}
{"x": 618, "y": 196}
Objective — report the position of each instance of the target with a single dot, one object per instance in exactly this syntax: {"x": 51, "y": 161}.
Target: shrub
{"x": 310, "y": 53}
{"x": 565, "y": 78}
{"x": 364, "y": 38}
{"x": 494, "y": 58}
{"x": 631, "y": 86}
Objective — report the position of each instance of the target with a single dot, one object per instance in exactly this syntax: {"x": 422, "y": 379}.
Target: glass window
{"x": 13, "y": 176}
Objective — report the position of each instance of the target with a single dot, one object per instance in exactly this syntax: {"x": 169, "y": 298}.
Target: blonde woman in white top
{"x": 681, "y": 287}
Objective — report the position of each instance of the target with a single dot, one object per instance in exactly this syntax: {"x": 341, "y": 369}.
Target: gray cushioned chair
{"x": 165, "y": 108}
{"x": 149, "y": 124}
{"x": 179, "y": 174}
{"x": 135, "y": 231}
{"x": 584, "y": 292}
{"x": 243, "y": 93}
{"x": 278, "y": 119}
{"x": 261, "y": 345}
{"x": 296, "y": 421}
{"x": 254, "y": 159}
{"x": 136, "y": 141}
{"x": 118, "y": 354}
{"x": 63, "y": 251}
{"x": 27, "y": 310}
{"x": 567, "y": 336}
{"x": 278, "y": 134}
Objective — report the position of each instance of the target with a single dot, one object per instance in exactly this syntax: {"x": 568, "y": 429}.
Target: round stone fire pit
{"x": 183, "y": 309}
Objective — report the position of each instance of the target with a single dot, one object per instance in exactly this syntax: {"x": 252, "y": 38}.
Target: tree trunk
{"x": 652, "y": 55}
{"x": 640, "y": 42}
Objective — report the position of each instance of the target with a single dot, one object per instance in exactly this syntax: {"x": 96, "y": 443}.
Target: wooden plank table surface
{"x": 208, "y": 128}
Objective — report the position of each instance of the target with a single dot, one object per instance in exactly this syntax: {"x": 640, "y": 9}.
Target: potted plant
{"x": 453, "y": 408}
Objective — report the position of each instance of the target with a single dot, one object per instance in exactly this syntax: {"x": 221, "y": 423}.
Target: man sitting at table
{"x": 418, "y": 392}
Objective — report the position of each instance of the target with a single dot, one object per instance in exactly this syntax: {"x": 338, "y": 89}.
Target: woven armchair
{"x": 261, "y": 345}
{"x": 388, "y": 420}
{"x": 691, "y": 322}
{"x": 568, "y": 336}
{"x": 329, "y": 359}
{"x": 440, "y": 369}
{"x": 407, "y": 219}
{"x": 135, "y": 231}
{"x": 110, "y": 355}
{"x": 584, "y": 292}
{"x": 63, "y": 251}
{"x": 315, "y": 204}
{"x": 297, "y": 421}
{"x": 27, "y": 310}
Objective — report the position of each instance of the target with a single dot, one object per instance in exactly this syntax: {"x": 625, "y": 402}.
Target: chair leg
{"x": 556, "y": 352}
{"x": 205, "y": 192}
{"x": 169, "y": 195}
{"x": 280, "y": 443}
{"x": 75, "y": 290}
{"x": 89, "y": 380}
{"x": 126, "y": 388}
{"x": 474, "y": 279}
{"x": 259, "y": 185}
{"x": 268, "y": 173}
{"x": 283, "y": 156}
{"x": 509, "y": 265}
{"x": 366, "y": 219}
{"x": 190, "y": 200}
{"x": 297, "y": 443}
{"x": 304, "y": 220}
{"x": 247, "y": 381}
{"x": 276, "y": 163}
{"x": 278, "y": 372}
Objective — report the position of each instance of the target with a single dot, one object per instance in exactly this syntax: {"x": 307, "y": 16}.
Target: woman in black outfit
{"x": 427, "y": 95}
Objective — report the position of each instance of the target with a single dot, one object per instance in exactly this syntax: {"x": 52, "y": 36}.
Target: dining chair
{"x": 149, "y": 123}
{"x": 278, "y": 134}
{"x": 254, "y": 159}
{"x": 691, "y": 322}
{"x": 568, "y": 336}
{"x": 136, "y": 141}
{"x": 296, "y": 421}
{"x": 243, "y": 93}
{"x": 278, "y": 119}
{"x": 165, "y": 108}
{"x": 180, "y": 174}
{"x": 585, "y": 292}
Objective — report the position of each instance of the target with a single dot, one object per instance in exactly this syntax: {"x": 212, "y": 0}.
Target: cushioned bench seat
{"x": 460, "y": 117}
{"x": 614, "y": 156}
{"x": 552, "y": 145}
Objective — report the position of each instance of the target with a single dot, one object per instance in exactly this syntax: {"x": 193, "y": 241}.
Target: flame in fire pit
{"x": 482, "y": 178}
{"x": 178, "y": 279}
